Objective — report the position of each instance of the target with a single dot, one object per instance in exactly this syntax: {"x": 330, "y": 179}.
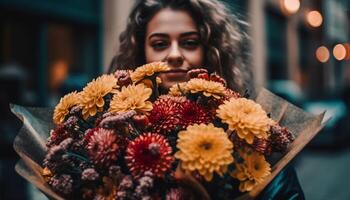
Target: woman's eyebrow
{"x": 189, "y": 34}
{"x": 158, "y": 35}
{"x": 164, "y": 35}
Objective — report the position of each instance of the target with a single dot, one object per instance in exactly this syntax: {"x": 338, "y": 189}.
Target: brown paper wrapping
{"x": 37, "y": 123}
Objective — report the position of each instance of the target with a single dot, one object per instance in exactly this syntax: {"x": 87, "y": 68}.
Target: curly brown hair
{"x": 219, "y": 33}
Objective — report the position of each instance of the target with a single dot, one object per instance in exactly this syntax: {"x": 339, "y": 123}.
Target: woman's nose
{"x": 175, "y": 57}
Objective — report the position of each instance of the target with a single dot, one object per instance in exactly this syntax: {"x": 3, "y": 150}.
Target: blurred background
{"x": 300, "y": 50}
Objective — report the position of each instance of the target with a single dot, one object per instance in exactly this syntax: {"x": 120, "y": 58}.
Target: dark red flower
{"x": 217, "y": 78}
{"x": 192, "y": 113}
{"x": 204, "y": 76}
{"x": 164, "y": 116}
{"x": 280, "y": 138}
{"x": 57, "y": 135}
{"x": 104, "y": 147}
{"x": 262, "y": 145}
{"x": 149, "y": 152}
{"x": 193, "y": 73}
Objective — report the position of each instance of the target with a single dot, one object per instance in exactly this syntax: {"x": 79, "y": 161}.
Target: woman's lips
{"x": 176, "y": 74}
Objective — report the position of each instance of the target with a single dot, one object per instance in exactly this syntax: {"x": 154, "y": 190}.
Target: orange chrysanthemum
{"x": 148, "y": 70}
{"x": 246, "y": 118}
{"x": 132, "y": 97}
{"x": 207, "y": 88}
{"x": 63, "y": 107}
{"x": 204, "y": 148}
{"x": 252, "y": 171}
{"x": 92, "y": 95}
{"x": 177, "y": 89}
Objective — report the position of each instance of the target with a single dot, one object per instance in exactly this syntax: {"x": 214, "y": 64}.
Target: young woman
{"x": 202, "y": 33}
{"x": 188, "y": 34}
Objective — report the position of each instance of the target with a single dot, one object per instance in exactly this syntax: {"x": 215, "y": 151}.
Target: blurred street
{"x": 324, "y": 174}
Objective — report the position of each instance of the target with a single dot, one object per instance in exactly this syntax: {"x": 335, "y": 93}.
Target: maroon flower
{"x": 192, "y": 113}
{"x": 62, "y": 184}
{"x": 164, "y": 116}
{"x": 149, "y": 152}
{"x": 193, "y": 73}
{"x": 123, "y": 77}
{"x": 217, "y": 78}
{"x": 104, "y": 147}
{"x": 57, "y": 135}
{"x": 280, "y": 138}
{"x": 262, "y": 145}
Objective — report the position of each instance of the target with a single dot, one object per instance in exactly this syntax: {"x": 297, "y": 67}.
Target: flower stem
{"x": 71, "y": 154}
{"x": 138, "y": 132}
{"x": 155, "y": 93}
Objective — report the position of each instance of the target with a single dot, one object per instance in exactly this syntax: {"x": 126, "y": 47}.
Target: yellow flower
{"x": 175, "y": 89}
{"x": 246, "y": 118}
{"x": 204, "y": 148}
{"x": 252, "y": 171}
{"x": 208, "y": 88}
{"x": 92, "y": 95}
{"x": 62, "y": 108}
{"x": 148, "y": 70}
{"x": 47, "y": 174}
{"x": 133, "y": 97}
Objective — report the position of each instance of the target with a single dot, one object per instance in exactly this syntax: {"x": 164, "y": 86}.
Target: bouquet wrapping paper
{"x": 37, "y": 123}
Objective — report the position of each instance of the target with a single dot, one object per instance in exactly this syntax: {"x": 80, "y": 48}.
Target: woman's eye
{"x": 191, "y": 44}
{"x": 159, "y": 45}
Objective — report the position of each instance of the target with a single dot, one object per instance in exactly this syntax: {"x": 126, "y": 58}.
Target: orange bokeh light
{"x": 314, "y": 18}
{"x": 322, "y": 54}
{"x": 339, "y": 52}
{"x": 58, "y": 73}
{"x": 291, "y": 6}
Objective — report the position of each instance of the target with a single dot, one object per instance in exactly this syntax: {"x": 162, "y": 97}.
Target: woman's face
{"x": 172, "y": 37}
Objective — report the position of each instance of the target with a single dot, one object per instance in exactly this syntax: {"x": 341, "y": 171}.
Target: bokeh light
{"x": 314, "y": 18}
{"x": 347, "y": 47}
{"x": 339, "y": 52}
{"x": 291, "y": 6}
{"x": 322, "y": 54}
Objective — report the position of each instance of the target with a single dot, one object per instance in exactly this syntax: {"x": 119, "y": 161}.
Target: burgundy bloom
{"x": 217, "y": 78}
{"x": 262, "y": 145}
{"x": 123, "y": 77}
{"x": 104, "y": 147}
{"x": 57, "y": 135}
{"x": 193, "y": 73}
{"x": 149, "y": 152}
{"x": 164, "y": 116}
{"x": 192, "y": 113}
{"x": 62, "y": 184}
{"x": 280, "y": 138}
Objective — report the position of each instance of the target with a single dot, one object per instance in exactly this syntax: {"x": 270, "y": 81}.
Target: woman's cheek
{"x": 154, "y": 56}
{"x": 195, "y": 58}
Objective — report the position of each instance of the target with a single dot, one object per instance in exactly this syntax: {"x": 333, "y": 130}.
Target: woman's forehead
{"x": 168, "y": 21}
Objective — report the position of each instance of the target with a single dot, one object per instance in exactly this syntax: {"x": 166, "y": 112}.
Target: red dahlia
{"x": 103, "y": 147}
{"x": 192, "y": 113}
{"x": 149, "y": 152}
{"x": 164, "y": 116}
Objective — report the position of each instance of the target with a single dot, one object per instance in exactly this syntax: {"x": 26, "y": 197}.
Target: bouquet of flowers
{"x": 119, "y": 139}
